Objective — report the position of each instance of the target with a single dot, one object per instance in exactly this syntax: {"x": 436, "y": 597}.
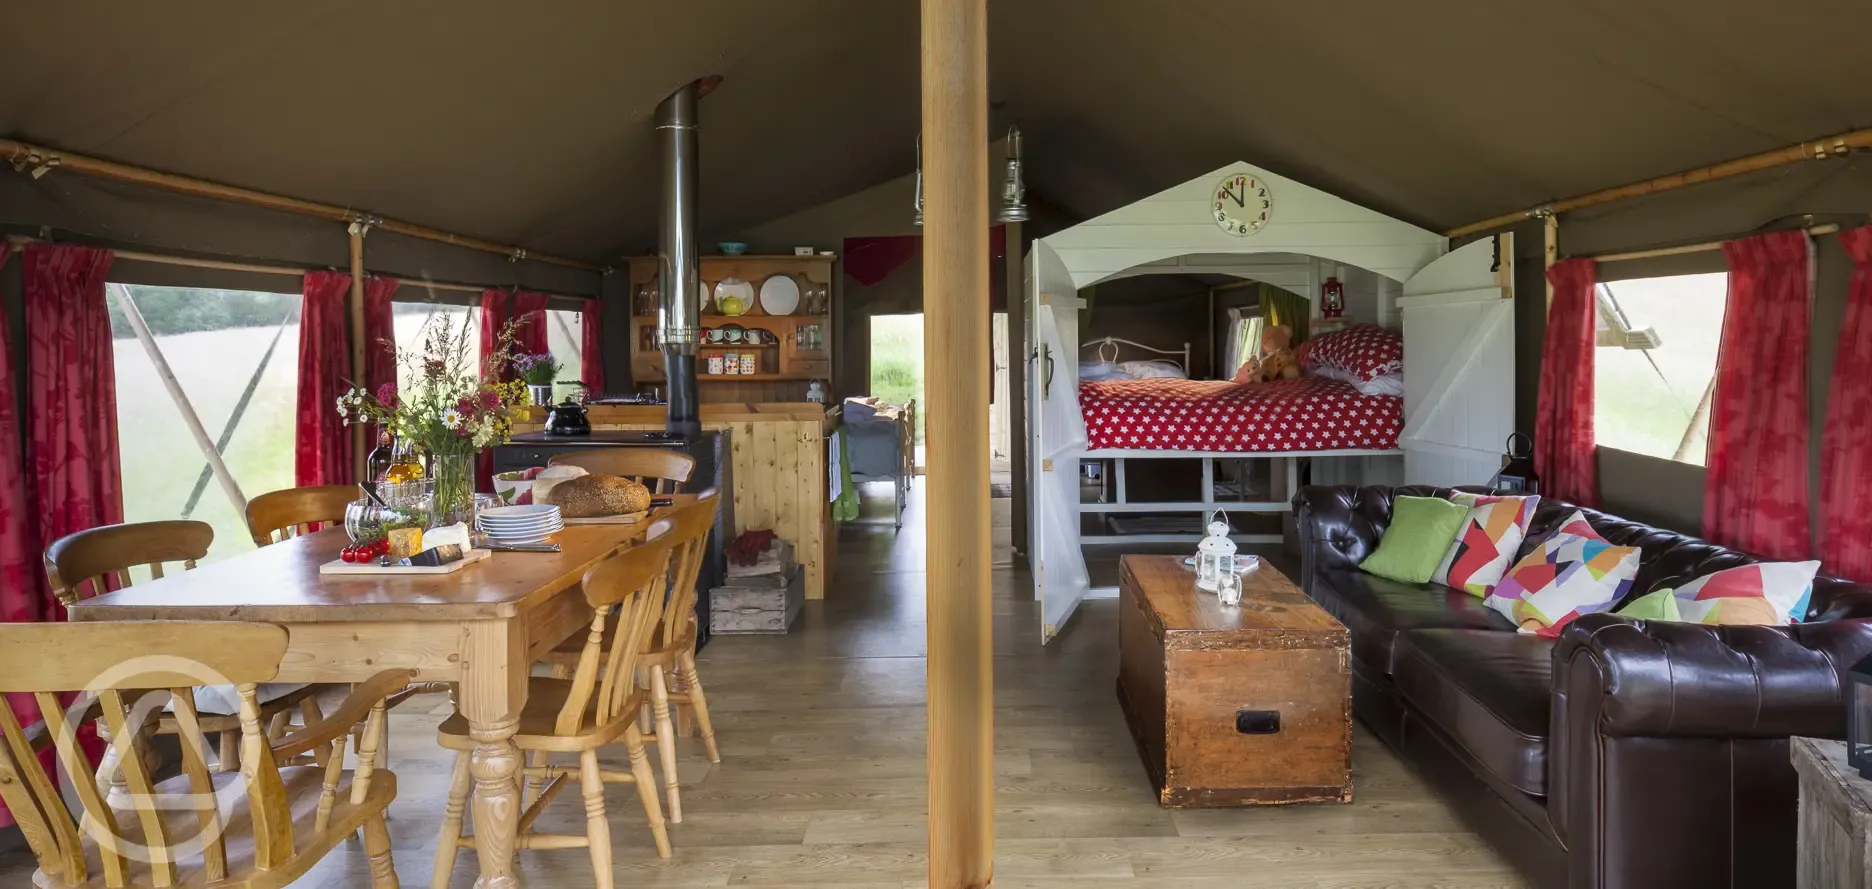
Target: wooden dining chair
{"x": 660, "y": 470}
{"x": 668, "y": 661}
{"x": 279, "y": 515}
{"x": 667, "y": 664}
{"x": 97, "y": 560}
{"x": 260, "y": 828}
{"x": 597, "y": 707}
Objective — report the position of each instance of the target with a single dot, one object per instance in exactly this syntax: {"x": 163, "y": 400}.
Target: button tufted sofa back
{"x": 1341, "y": 525}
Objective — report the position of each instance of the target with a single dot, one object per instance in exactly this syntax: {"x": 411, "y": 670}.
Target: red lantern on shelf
{"x": 1332, "y": 298}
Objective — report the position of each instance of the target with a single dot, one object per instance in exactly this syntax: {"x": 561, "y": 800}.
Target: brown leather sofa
{"x": 1623, "y": 755}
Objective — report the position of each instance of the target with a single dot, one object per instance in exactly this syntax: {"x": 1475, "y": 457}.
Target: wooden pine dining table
{"x": 481, "y": 628}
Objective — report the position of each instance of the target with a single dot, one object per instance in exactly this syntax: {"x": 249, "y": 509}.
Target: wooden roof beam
{"x": 27, "y": 156}
{"x": 1818, "y": 149}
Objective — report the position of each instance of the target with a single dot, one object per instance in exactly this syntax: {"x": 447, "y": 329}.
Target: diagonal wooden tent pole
{"x": 956, "y": 352}
{"x": 189, "y": 418}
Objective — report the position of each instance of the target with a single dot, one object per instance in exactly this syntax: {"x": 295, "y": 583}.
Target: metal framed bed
{"x": 1283, "y": 476}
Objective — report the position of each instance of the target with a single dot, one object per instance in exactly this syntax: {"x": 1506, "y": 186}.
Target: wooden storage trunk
{"x": 757, "y": 609}
{"x": 1233, "y": 706}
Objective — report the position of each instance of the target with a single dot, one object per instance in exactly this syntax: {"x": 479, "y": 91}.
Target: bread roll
{"x": 590, "y": 496}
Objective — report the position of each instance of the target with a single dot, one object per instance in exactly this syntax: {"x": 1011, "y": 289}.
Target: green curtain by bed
{"x": 1291, "y": 308}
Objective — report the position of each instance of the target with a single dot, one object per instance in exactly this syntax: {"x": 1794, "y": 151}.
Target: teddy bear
{"x": 1275, "y": 360}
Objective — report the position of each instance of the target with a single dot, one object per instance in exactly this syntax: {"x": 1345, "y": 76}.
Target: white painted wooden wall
{"x": 1177, "y": 223}
{"x": 1459, "y": 375}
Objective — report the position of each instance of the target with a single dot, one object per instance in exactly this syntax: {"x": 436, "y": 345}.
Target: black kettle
{"x": 568, "y": 418}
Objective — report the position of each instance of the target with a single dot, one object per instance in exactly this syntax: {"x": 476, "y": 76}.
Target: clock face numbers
{"x": 1242, "y": 205}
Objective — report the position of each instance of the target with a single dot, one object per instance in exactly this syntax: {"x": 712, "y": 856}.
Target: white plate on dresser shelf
{"x": 779, "y": 295}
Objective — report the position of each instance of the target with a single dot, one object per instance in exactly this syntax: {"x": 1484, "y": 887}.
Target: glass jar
{"x": 1229, "y": 588}
{"x": 453, "y": 497}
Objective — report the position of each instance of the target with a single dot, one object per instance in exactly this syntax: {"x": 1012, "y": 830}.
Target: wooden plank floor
{"x": 822, "y": 775}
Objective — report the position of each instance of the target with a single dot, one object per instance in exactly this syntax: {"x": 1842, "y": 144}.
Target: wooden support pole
{"x": 189, "y": 417}
{"x": 1550, "y": 250}
{"x": 34, "y": 156}
{"x": 1817, "y": 149}
{"x": 358, "y": 341}
{"x": 956, "y": 352}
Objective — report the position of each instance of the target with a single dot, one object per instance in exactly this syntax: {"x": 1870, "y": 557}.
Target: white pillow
{"x": 1100, "y": 371}
{"x": 1383, "y": 384}
{"x": 1153, "y": 370}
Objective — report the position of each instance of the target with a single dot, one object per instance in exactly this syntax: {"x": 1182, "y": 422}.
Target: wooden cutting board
{"x": 339, "y": 566}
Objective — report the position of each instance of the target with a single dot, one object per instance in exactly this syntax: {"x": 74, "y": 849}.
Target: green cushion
{"x": 1421, "y": 531}
{"x": 1661, "y": 605}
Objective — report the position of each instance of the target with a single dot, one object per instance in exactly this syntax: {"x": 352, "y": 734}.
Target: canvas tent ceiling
{"x": 529, "y": 123}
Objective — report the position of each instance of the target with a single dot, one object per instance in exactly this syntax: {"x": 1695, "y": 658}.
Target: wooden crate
{"x": 758, "y": 610}
{"x": 1233, "y": 706}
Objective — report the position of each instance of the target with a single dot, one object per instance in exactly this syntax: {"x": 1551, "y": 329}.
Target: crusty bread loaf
{"x": 590, "y": 496}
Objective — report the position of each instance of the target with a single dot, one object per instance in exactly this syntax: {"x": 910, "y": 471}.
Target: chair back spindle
{"x": 631, "y": 583}
{"x": 689, "y": 540}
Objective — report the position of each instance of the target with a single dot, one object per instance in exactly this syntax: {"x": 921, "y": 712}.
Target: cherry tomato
{"x": 348, "y": 554}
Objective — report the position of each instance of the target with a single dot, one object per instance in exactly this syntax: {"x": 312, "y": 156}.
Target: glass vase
{"x": 454, "y": 479}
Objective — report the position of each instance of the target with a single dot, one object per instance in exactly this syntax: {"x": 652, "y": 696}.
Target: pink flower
{"x": 387, "y": 396}
{"x": 490, "y": 400}
{"x": 465, "y": 407}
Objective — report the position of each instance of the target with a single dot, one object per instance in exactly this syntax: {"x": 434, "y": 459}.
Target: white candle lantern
{"x": 1215, "y": 555}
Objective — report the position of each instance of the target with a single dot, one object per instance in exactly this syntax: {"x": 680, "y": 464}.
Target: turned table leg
{"x": 492, "y": 694}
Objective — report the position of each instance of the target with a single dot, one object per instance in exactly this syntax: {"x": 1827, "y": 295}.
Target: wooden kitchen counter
{"x": 779, "y": 464}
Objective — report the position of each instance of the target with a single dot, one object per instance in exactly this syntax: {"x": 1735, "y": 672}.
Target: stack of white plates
{"x": 520, "y": 525}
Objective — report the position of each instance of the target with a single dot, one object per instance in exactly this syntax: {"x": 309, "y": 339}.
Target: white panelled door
{"x": 1058, "y": 438}
{"x": 1459, "y": 364}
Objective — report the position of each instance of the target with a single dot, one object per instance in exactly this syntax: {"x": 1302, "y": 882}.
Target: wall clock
{"x": 1243, "y": 205}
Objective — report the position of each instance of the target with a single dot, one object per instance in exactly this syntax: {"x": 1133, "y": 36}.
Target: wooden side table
{"x": 1235, "y": 706}
{"x": 1835, "y": 817}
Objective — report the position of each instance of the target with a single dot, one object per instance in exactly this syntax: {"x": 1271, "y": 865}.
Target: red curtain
{"x": 529, "y": 309}
{"x": 591, "y": 346}
{"x": 71, "y": 447}
{"x": 20, "y": 560}
{"x": 322, "y": 455}
{"x": 495, "y": 312}
{"x": 1845, "y": 543}
{"x": 71, "y": 392}
{"x": 379, "y": 333}
{"x": 1563, "y": 433}
{"x": 1755, "y": 492}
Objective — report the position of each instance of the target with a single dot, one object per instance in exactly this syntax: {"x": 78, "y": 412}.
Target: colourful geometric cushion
{"x": 1571, "y": 573}
{"x": 1766, "y": 594}
{"x": 1659, "y": 605}
{"x": 1420, "y": 532}
{"x": 1485, "y": 547}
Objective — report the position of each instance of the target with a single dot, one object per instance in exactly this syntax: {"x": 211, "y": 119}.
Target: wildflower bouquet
{"x": 449, "y": 408}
